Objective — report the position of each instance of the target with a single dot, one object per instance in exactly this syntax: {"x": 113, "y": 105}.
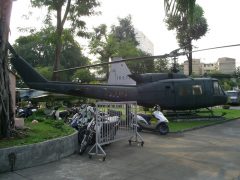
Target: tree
{"x": 188, "y": 31}
{"x": 120, "y": 41}
{"x": 83, "y": 76}
{"x": 103, "y": 46}
{"x": 125, "y": 30}
{"x": 73, "y": 12}
{"x": 161, "y": 65}
{"x": 236, "y": 73}
{"x": 182, "y": 8}
{"x": 185, "y": 10}
{"x": 38, "y": 50}
{"x": 6, "y": 111}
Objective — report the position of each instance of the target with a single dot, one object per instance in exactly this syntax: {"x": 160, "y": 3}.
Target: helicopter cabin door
{"x": 199, "y": 93}
{"x": 183, "y": 94}
{"x": 167, "y": 95}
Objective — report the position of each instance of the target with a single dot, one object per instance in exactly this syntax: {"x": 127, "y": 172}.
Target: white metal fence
{"x": 115, "y": 121}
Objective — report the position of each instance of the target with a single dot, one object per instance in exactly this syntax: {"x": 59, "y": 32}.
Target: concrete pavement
{"x": 208, "y": 153}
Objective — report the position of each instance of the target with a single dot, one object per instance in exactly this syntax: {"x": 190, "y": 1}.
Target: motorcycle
{"x": 25, "y": 112}
{"x": 144, "y": 122}
{"x": 107, "y": 128}
{"x": 81, "y": 119}
{"x": 88, "y": 137}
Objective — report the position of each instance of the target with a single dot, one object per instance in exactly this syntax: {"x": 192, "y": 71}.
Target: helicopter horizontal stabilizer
{"x": 26, "y": 71}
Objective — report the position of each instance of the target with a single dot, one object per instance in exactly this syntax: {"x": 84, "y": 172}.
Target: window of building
{"x": 197, "y": 89}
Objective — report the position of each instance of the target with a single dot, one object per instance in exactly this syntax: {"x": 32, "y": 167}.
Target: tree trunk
{"x": 190, "y": 58}
{"x": 58, "y": 48}
{"x": 6, "y": 111}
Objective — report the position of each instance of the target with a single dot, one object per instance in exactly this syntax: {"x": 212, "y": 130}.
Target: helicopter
{"x": 171, "y": 91}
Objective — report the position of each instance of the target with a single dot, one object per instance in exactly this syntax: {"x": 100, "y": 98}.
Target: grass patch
{"x": 44, "y": 130}
{"x": 184, "y": 125}
{"x": 176, "y": 126}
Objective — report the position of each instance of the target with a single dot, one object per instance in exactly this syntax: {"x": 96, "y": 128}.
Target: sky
{"x": 148, "y": 17}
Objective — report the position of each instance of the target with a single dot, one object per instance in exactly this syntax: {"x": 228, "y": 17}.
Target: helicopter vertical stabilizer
{"x": 119, "y": 73}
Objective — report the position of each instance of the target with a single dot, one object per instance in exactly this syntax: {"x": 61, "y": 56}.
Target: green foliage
{"x": 161, "y": 65}
{"x": 66, "y": 10}
{"x": 236, "y": 73}
{"x": 45, "y": 71}
{"x": 37, "y": 47}
{"x": 83, "y": 76}
{"x": 188, "y": 27}
{"x": 184, "y": 8}
{"x": 38, "y": 50}
{"x": 186, "y": 31}
{"x": 180, "y": 126}
{"x": 74, "y": 10}
{"x": 145, "y": 109}
{"x": 184, "y": 125}
{"x": 58, "y": 124}
{"x": 227, "y": 81}
{"x": 42, "y": 131}
{"x": 120, "y": 42}
{"x": 226, "y": 86}
{"x": 125, "y": 30}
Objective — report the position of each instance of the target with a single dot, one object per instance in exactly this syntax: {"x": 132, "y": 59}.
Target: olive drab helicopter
{"x": 169, "y": 90}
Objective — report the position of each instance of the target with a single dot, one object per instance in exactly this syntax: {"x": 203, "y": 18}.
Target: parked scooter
{"x": 144, "y": 122}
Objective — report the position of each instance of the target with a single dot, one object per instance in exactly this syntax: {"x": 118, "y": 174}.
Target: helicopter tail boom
{"x": 25, "y": 70}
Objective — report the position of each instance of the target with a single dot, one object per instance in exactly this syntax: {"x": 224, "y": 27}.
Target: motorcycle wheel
{"x": 83, "y": 145}
{"x": 81, "y": 135}
{"x": 163, "y": 128}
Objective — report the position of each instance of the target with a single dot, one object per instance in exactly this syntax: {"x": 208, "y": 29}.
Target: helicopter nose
{"x": 220, "y": 100}
{"x": 224, "y": 99}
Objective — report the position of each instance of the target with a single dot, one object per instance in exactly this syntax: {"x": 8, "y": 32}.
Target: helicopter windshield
{"x": 217, "y": 89}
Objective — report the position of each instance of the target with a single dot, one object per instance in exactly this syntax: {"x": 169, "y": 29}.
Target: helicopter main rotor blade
{"x": 113, "y": 62}
{"x": 218, "y": 47}
{"x": 174, "y": 53}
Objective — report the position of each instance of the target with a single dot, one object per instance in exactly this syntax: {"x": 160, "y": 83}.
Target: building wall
{"x": 144, "y": 43}
{"x": 196, "y": 67}
{"x": 209, "y": 67}
{"x": 226, "y": 65}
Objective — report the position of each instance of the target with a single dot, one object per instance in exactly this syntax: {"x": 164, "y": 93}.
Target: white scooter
{"x": 145, "y": 122}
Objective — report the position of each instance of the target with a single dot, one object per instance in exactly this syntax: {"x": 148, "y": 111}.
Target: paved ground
{"x": 235, "y": 107}
{"x": 208, "y": 153}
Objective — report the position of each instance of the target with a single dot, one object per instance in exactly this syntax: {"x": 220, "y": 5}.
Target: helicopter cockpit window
{"x": 197, "y": 89}
{"x": 217, "y": 88}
